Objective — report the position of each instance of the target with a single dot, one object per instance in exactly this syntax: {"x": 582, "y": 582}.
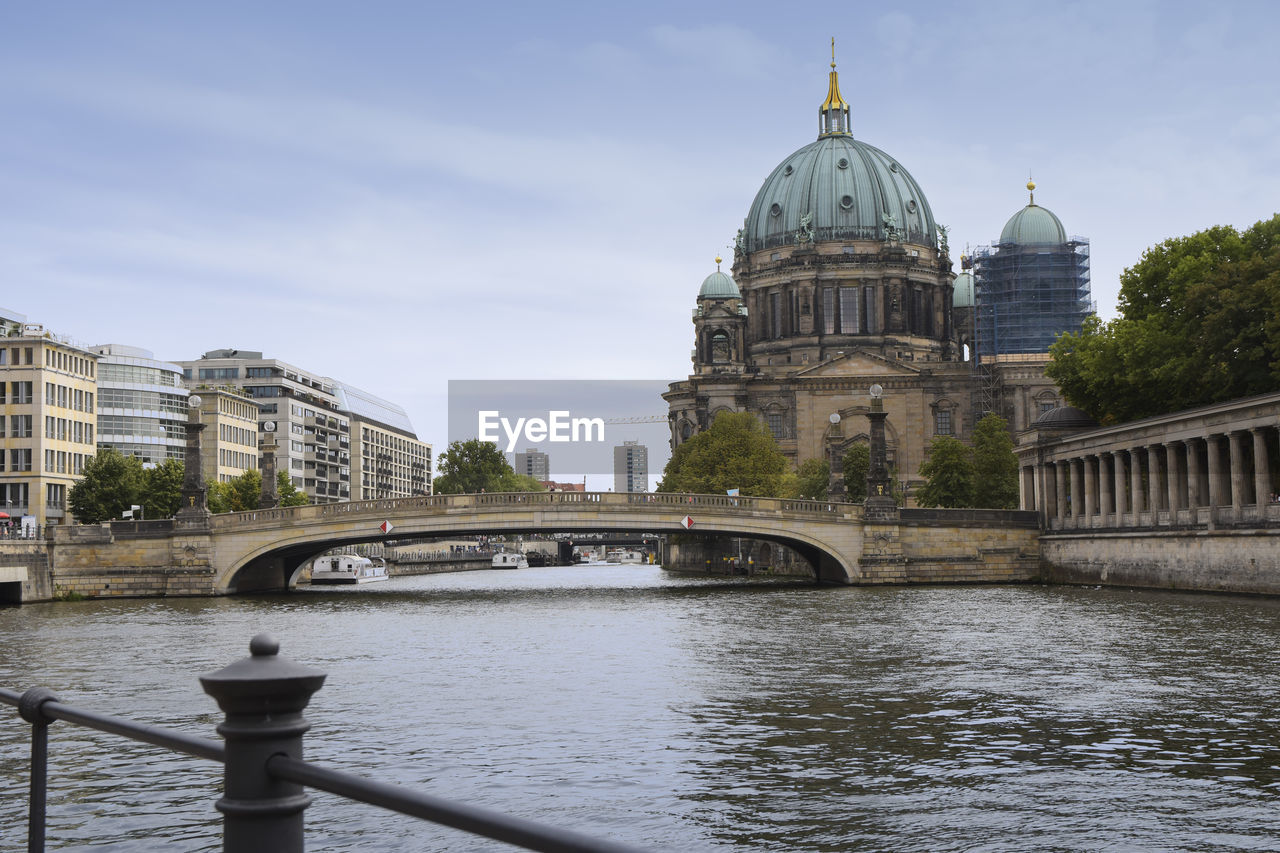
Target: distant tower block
{"x": 631, "y": 467}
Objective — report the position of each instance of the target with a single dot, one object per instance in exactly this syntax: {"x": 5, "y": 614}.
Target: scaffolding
{"x": 1025, "y": 296}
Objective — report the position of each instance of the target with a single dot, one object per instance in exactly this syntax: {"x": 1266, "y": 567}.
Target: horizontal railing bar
{"x": 154, "y": 735}
{"x": 500, "y": 827}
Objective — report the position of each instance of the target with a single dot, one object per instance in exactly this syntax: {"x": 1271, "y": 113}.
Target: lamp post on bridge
{"x": 195, "y": 506}
{"x": 880, "y": 504}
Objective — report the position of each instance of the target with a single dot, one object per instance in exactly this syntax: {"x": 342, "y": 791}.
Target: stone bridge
{"x": 265, "y": 549}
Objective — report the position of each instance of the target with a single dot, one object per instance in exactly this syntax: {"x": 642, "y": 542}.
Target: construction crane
{"x": 642, "y": 419}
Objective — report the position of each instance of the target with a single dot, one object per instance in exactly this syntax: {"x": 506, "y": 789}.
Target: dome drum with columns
{"x": 841, "y": 279}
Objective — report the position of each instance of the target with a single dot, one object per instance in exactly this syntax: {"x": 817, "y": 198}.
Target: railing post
{"x": 262, "y": 697}
{"x": 30, "y": 707}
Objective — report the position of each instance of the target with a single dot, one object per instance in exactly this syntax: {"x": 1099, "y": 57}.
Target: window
{"x": 849, "y": 310}
{"x": 20, "y": 459}
{"x": 220, "y": 373}
{"x": 20, "y": 392}
{"x": 777, "y": 424}
{"x": 942, "y": 422}
{"x": 1044, "y": 407}
{"x": 20, "y": 426}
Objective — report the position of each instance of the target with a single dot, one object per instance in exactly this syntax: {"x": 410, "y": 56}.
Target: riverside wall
{"x": 1231, "y": 560}
{"x": 24, "y": 571}
{"x": 912, "y": 546}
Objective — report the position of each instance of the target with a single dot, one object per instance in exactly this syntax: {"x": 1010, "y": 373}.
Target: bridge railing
{"x": 433, "y": 504}
{"x": 263, "y": 697}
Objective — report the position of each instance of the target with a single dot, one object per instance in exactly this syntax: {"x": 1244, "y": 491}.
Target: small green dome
{"x": 962, "y": 291}
{"x": 1034, "y": 226}
{"x": 719, "y": 285}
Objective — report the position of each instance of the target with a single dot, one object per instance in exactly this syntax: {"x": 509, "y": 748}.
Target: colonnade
{"x": 1221, "y": 475}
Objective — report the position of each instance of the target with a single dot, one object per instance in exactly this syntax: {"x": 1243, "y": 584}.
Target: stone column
{"x": 1090, "y": 490}
{"x": 1048, "y": 491}
{"x": 1261, "y": 467}
{"x": 1153, "y": 479}
{"x": 1174, "y": 478}
{"x": 1213, "y": 458}
{"x": 1077, "y": 490}
{"x": 1106, "y": 506}
{"x": 1236, "y": 447}
{"x": 1137, "y": 499}
{"x": 1060, "y": 480}
{"x": 1117, "y": 471}
{"x": 1029, "y": 488}
{"x": 1194, "y": 498}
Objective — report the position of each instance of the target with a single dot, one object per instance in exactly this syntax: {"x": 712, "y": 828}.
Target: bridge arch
{"x": 261, "y": 549}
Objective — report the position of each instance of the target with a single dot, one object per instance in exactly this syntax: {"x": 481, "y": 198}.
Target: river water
{"x": 690, "y": 714}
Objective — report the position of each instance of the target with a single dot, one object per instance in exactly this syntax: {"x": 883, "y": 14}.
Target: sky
{"x": 400, "y": 194}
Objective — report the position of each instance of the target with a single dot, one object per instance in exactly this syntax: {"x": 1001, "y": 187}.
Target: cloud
{"x": 722, "y": 48}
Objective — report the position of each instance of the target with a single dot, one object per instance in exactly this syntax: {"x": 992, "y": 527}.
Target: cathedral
{"x": 842, "y": 279}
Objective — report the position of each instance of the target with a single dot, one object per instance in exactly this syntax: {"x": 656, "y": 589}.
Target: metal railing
{"x": 263, "y": 697}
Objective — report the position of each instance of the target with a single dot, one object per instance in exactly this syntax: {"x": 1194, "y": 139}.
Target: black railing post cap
{"x": 263, "y": 682}
{"x": 31, "y": 705}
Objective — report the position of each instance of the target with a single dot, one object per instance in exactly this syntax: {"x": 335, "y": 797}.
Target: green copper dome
{"x": 962, "y": 291}
{"x": 838, "y": 188}
{"x": 1034, "y": 225}
{"x": 719, "y": 285}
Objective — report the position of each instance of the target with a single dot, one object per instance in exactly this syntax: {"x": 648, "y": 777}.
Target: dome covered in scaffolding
{"x": 1033, "y": 226}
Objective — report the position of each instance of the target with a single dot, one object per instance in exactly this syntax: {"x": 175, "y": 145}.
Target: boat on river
{"x": 508, "y": 560}
{"x": 345, "y": 568}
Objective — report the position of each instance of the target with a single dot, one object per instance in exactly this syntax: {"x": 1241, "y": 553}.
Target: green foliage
{"x": 112, "y": 482}
{"x": 521, "y": 483}
{"x": 161, "y": 489}
{"x": 473, "y": 466}
{"x": 1199, "y": 323}
{"x": 995, "y": 465}
{"x": 856, "y": 464}
{"x": 949, "y": 474}
{"x": 813, "y": 479}
{"x": 290, "y": 495}
{"x": 736, "y": 452}
{"x": 245, "y": 493}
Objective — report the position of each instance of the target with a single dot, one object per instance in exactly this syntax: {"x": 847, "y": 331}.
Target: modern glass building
{"x": 142, "y": 404}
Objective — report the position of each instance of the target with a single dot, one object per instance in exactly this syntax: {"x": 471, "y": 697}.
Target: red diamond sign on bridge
{"x": 687, "y": 522}
{"x": 386, "y": 527}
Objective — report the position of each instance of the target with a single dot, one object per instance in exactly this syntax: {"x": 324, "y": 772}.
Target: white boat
{"x": 505, "y": 560}
{"x": 345, "y": 568}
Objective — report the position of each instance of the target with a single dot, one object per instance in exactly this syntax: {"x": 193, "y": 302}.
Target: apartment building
{"x": 230, "y": 437}
{"x": 47, "y": 424}
{"x": 313, "y": 434}
{"x": 388, "y": 458}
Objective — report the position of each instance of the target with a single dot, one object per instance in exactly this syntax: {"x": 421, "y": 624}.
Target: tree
{"x": 1199, "y": 323}
{"x": 290, "y": 495}
{"x": 160, "y": 490}
{"x": 111, "y": 484}
{"x": 473, "y": 466}
{"x": 856, "y": 464}
{"x": 813, "y": 479}
{"x": 995, "y": 465}
{"x": 949, "y": 474}
{"x": 736, "y": 452}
